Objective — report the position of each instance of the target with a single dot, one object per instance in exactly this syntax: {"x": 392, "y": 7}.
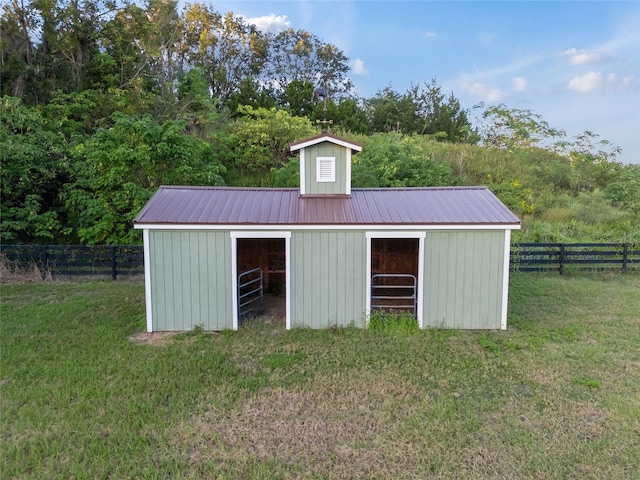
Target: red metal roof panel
{"x": 272, "y": 206}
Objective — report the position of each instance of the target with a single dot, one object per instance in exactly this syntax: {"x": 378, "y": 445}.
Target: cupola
{"x": 325, "y": 164}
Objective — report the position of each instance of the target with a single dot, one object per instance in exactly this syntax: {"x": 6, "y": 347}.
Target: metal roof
{"x": 273, "y": 206}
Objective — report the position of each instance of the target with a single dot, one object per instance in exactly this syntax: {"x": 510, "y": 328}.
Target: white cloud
{"x": 483, "y": 93}
{"x": 582, "y": 57}
{"x": 359, "y": 68}
{"x": 620, "y": 83}
{"x": 430, "y": 34}
{"x": 519, "y": 84}
{"x": 585, "y": 83}
{"x": 271, "y": 23}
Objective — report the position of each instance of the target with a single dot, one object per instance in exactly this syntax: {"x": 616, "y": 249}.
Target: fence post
{"x": 43, "y": 261}
{"x": 561, "y": 258}
{"x": 625, "y": 256}
{"x": 114, "y": 271}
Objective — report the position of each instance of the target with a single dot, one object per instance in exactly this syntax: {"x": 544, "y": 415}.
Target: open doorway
{"x": 261, "y": 280}
{"x": 394, "y": 275}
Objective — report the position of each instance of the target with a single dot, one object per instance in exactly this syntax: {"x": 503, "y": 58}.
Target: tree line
{"x": 102, "y": 102}
{"x": 155, "y": 59}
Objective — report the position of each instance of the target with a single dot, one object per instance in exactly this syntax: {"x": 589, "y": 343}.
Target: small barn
{"x": 331, "y": 254}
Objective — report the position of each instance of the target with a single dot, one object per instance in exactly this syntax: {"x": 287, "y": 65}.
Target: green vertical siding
{"x": 463, "y": 279}
{"x": 190, "y": 280}
{"x": 325, "y": 149}
{"x": 328, "y": 279}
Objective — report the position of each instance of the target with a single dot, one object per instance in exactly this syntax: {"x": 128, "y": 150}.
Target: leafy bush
{"x": 118, "y": 170}
{"x": 594, "y": 208}
{"x": 393, "y": 160}
{"x": 34, "y": 168}
{"x": 260, "y": 140}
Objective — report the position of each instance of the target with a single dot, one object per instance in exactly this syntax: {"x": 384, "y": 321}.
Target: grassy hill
{"x": 560, "y": 197}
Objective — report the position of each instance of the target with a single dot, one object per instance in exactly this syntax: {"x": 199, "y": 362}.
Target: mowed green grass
{"x": 557, "y": 395}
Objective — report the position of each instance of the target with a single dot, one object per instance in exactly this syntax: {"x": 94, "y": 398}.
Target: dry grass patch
{"x": 13, "y": 271}
{"x": 151, "y": 338}
{"x": 336, "y": 428}
{"x": 540, "y": 440}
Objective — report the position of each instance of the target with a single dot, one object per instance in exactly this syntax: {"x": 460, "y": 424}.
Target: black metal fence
{"x": 61, "y": 260}
{"x": 128, "y": 260}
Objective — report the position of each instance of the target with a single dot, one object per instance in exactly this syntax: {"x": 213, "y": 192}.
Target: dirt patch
{"x": 152, "y": 338}
{"x": 273, "y": 313}
{"x": 274, "y": 306}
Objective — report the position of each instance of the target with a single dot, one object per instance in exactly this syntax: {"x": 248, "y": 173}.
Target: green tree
{"x": 441, "y": 115}
{"x": 51, "y": 44}
{"x": 78, "y": 29}
{"x": 297, "y": 55}
{"x": 33, "y": 168}
{"x": 592, "y": 161}
{"x": 297, "y": 98}
{"x": 196, "y": 106}
{"x": 390, "y": 111}
{"x": 225, "y": 47}
{"x": 123, "y": 62}
{"x": 423, "y": 110}
{"x": 79, "y": 114}
{"x": 623, "y": 190}
{"x": 18, "y": 63}
{"x": 253, "y": 94}
{"x": 513, "y": 128}
{"x": 161, "y": 64}
{"x": 352, "y": 117}
{"x": 347, "y": 115}
{"x": 259, "y": 141}
{"x": 119, "y": 168}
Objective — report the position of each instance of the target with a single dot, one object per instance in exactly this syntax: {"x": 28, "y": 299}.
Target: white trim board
{"x": 147, "y": 280}
{"x": 348, "y": 174}
{"x": 326, "y": 227}
{"x": 258, "y": 234}
{"x": 420, "y": 236}
{"x": 396, "y": 234}
{"x": 505, "y": 279}
{"x": 323, "y": 138}
{"x": 303, "y": 175}
{"x": 235, "y": 235}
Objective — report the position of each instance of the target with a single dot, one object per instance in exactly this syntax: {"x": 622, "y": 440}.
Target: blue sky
{"x": 575, "y": 63}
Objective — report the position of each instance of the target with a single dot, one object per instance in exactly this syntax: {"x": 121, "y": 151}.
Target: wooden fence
{"x": 560, "y": 257}
{"x": 127, "y": 260}
{"x": 61, "y": 260}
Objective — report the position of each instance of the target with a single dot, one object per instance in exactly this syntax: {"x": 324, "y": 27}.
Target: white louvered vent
{"x": 326, "y": 169}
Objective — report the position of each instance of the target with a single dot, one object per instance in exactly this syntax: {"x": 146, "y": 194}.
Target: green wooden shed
{"x": 331, "y": 253}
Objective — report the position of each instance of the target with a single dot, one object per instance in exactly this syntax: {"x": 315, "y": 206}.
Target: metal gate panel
{"x": 250, "y": 292}
{"x": 394, "y": 292}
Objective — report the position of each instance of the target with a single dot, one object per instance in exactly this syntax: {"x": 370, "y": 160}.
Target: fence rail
{"x": 558, "y": 257}
{"x": 111, "y": 260}
{"x": 61, "y": 260}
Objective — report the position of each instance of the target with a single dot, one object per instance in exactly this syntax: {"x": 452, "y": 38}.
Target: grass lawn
{"x": 555, "y": 396}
